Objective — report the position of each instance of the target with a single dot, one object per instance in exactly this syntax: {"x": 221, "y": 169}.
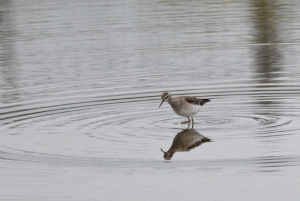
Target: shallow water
{"x": 81, "y": 85}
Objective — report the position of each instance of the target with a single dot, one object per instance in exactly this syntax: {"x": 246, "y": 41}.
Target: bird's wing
{"x": 196, "y": 101}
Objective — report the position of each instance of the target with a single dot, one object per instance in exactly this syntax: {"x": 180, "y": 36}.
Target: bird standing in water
{"x": 184, "y": 105}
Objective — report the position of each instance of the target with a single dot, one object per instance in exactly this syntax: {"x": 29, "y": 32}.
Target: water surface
{"x": 81, "y": 85}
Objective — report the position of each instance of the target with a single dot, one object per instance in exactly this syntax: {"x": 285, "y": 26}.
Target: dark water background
{"x": 81, "y": 84}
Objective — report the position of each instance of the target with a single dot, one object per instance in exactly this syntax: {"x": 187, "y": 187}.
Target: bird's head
{"x": 167, "y": 156}
{"x": 165, "y": 97}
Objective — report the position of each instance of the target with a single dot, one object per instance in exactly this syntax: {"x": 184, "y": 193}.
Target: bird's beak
{"x": 162, "y": 102}
{"x": 164, "y": 152}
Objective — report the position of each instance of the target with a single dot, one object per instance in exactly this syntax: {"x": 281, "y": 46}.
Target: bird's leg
{"x": 186, "y": 121}
{"x": 192, "y": 121}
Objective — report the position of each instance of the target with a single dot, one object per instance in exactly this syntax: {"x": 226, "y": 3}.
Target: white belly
{"x": 188, "y": 111}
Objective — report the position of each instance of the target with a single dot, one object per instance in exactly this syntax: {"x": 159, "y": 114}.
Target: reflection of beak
{"x": 164, "y": 152}
{"x": 162, "y": 102}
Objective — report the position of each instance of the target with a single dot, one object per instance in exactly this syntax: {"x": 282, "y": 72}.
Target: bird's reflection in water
{"x": 185, "y": 141}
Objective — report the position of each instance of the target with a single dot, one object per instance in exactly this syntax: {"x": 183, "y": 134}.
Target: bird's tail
{"x": 203, "y": 101}
{"x": 205, "y": 139}
{"x": 206, "y": 100}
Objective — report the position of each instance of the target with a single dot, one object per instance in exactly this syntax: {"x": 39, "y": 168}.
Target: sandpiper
{"x": 184, "y": 105}
{"x": 185, "y": 141}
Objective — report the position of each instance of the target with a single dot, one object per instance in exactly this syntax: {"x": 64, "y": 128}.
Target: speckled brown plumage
{"x": 196, "y": 101}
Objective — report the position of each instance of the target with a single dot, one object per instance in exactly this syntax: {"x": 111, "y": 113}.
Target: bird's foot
{"x": 185, "y": 122}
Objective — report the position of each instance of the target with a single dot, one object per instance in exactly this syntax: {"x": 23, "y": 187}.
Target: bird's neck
{"x": 170, "y": 100}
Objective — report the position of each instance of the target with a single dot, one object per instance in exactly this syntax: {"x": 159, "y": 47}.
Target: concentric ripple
{"x": 126, "y": 124}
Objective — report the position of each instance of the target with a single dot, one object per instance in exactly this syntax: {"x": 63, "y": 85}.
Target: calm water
{"x": 81, "y": 84}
